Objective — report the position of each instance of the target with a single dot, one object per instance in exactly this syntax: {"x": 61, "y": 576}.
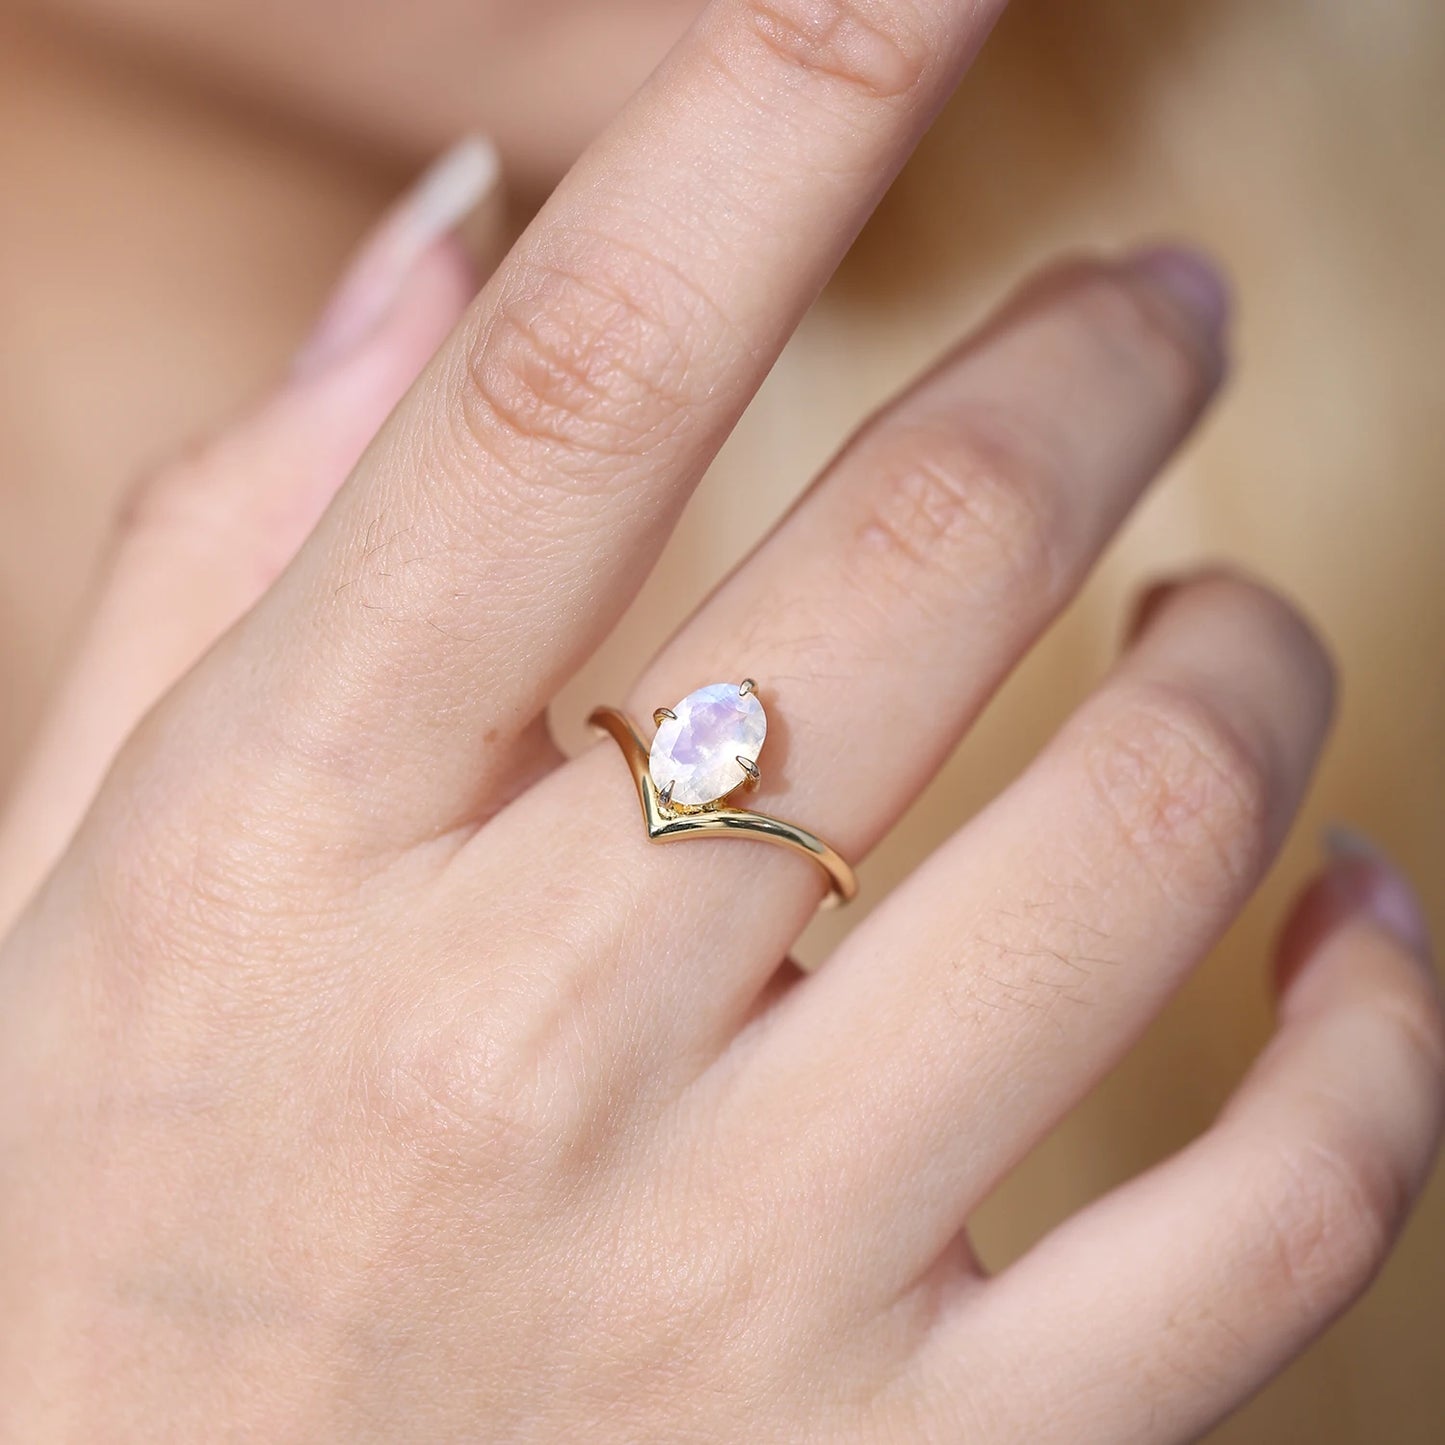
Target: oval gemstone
{"x": 698, "y": 750}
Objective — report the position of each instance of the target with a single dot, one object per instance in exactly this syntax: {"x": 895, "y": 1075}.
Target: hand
{"x": 366, "y": 1074}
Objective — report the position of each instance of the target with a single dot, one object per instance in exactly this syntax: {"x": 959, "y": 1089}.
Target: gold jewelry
{"x": 705, "y": 749}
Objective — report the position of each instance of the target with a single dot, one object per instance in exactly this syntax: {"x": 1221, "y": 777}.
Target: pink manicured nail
{"x": 1195, "y": 283}
{"x": 1376, "y": 887}
{"x": 444, "y": 196}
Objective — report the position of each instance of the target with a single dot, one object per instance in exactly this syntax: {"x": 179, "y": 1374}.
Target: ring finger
{"x": 923, "y": 564}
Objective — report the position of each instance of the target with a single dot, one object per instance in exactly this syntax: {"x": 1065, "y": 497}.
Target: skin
{"x": 364, "y": 1072}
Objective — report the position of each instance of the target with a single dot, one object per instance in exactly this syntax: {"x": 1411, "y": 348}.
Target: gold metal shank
{"x": 664, "y": 826}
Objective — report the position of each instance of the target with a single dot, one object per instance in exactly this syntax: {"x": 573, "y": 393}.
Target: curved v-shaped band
{"x": 663, "y": 825}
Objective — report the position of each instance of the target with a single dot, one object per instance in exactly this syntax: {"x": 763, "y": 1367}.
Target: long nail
{"x": 1373, "y": 885}
{"x": 434, "y": 207}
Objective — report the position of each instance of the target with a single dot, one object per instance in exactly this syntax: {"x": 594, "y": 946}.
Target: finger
{"x": 204, "y": 536}
{"x": 981, "y": 1001}
{"x": 495, "y": 532}
{"x": 877, "y": 619}
{"x": 1167, "y": 1303}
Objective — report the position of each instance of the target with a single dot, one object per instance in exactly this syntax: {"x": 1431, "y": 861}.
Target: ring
{"x": 705, "y": 749}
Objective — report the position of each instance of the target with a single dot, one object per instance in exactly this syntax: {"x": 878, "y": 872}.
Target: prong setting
{"x": 665, "y": 796}
{"x": 663, "y": 714}
{"x": 747, "y": 686}
{"x": 707, "y": 744}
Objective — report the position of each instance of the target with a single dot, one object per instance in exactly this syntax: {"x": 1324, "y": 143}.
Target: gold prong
{"x": 748, "y": 685}
{"x": 665, "y": 796}
{"x": 663, "y": 714}
{"x": 749, "y": 767}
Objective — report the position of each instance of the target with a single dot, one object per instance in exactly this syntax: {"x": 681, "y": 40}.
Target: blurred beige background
{"x": 1303, "y": 142}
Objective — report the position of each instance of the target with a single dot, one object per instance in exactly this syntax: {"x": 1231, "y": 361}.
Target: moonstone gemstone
{"x": 698, "y": 750}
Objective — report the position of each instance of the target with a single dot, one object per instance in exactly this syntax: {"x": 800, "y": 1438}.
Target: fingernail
{"x": 453, "y": 187}
{"x": 1192, "y": 281}
{"x": 1375, "y": 886}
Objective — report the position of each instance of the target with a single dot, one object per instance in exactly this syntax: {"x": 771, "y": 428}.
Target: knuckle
{"x": 223, "y": 860}
{"x": 1328, "y": 1216}
{"x": 1190, "y": 796}
{"x": 448, "y": 1086}
{"x": 967, "y": 502}
{"x": 499, "y": 1081}
{"x": 205, "y": 503}
{"x": 158, "y": 495}
{"x": 709, "y": 1279}
{"x": 177, "y": 502}
{"x": 201, "y": 924}
{"x": 880, "y": 51}
{"x": 582, "y": 362}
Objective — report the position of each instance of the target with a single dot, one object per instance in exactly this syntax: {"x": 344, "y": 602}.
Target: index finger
{"x": 511, "y": 508}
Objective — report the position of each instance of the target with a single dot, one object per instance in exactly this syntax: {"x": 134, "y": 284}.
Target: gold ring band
{"x": 666, "y": 823}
